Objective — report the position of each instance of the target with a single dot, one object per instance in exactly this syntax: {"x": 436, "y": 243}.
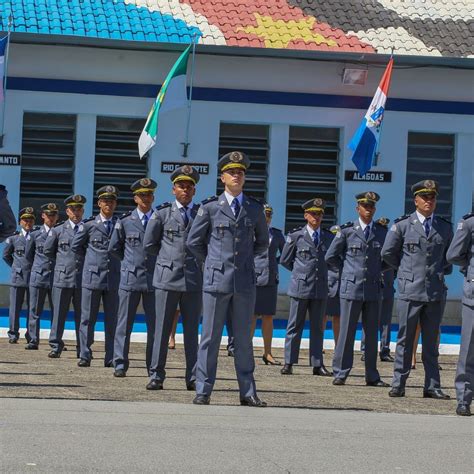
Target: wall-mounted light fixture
{"x": 354, "y": 77}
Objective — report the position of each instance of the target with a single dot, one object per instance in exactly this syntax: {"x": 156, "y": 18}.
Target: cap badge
{"x": 318, "y": 202}
{"x": 77, "y": 198}
{"x": 236, "y": 157}
{"x": 187, "y": 170}
{"x": 145, "y": 182}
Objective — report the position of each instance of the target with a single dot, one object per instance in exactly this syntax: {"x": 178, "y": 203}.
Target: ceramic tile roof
{"x": 416, "y": 27}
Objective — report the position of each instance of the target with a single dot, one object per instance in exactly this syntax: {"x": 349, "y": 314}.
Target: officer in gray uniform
{"x": 416, "y": 247}
{"x": 136, "y": 274}
{"x": 67, "y": 279}
{"x": 386, "y": 310}
{"x": 303, "y": 254}
{"x": 42, "y": 272}
{"x": 16, "y": 254}
{"x": 7, "y": 218}
{"x": 356, "y": 250}
{"x": 177, "y": 278}
{"x": 461, "y": 252}
{"x": 100, "y": 276}
{"x": 227, "y": 233}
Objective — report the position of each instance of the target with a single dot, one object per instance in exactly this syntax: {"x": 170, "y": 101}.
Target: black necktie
{"x": 145, "y": 221}
{"x": 109, "y": 227}
{"x": 316, "y": 238}
{"x": 236, "y": 207}
{"x": 76, "y": 228}
{"x": 367, "y": 232}
{"x": 184, "y": 214}
{"x": 427, "y": 226}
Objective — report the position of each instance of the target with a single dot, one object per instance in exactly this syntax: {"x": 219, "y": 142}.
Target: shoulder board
{"x": 163, "y": 206}
{"x": 326, "y": 230}
{"x": 59, "y": 223}
{"x": 125, "y": 214}
{"x": 17, "y": 232}
{"x": 468, "y": 216}
{"x": 347, "y": 224}
{"x": 36, "y": 227}
{"x": 255, "y": 200}
{"x": 445, "y": 220}
{"x": 88, "y": 219}
{"x": 402, "y": 218}
{"x": 296, "y": 229}
{"x": 210, "y": 199}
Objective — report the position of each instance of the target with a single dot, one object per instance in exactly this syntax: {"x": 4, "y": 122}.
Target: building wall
{"x": 51, "y": 63}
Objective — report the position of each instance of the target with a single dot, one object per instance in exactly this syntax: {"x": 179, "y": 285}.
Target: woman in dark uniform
{"x": 266, "y": 270}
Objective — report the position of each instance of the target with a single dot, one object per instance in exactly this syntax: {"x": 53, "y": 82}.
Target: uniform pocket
{"x": 133, "y": 239}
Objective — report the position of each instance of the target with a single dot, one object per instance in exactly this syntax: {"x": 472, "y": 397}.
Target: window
{"x": 431, "y": 156}
{"x": 116, "y": 157}
{"x": 313, "y": 168}
{"x": 47, "y": 168}
{"x": 253, "y": 141}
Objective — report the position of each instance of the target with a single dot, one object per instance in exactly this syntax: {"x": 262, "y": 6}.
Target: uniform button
{"x": 364, "y": 279}
{"x": 236, "y": 267}
{"x": 428, "y": 255}
{"x": 366, "y": 258}
{"x": 236, "y": 253}
{"x": 317, "y": 278}
{"x": 184, "y": 265}
{"x": 237, "y": 239}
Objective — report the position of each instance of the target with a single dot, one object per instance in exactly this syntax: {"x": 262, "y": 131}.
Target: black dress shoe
{"x": 377, "y": 383}
{"x": 12, "y": 341}
{"x": 191, "y": 386}
{"x": 108, "y": 364}
{"x": 387, "y": 358}
{"x": 396, "y": 392}
{"x": 337, "y": 381}
{"x": 230, "y": 353}
{"x": 252, "y": 401}
{"x": 322, "y": 371}
{"x": 54, "y": 355}
{"x": 436, "y": 393}
{"x": 84, "y": 363}
{"x": 287, "y": 369}
{"x": 463, "y": 410}
{"x": 31, "y": 347}
{"x": 362, "y": 357}
{"x": 154, "y": 384}
{"x": 119, "y": 373}
{"x": 202, "y": 400}
{"x": 271, "y": 362}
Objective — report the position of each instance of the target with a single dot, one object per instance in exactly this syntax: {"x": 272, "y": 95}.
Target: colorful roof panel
{"x": 417, "y": 27}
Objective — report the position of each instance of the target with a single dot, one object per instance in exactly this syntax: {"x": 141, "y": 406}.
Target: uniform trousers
{"x": 127, "y": 310}
{"x": 464, "y": 381}
{"x": 344, "y": 352}
{"x": 37, "y": 299}
{"x": 62, "y": 298}
{"x": 216, "y": 308}
{"x": 429, "y": 315}
{"x": 18, "y": 295}
{"x": 296, "y": 319}
{"x": 385, "y": 324}
{"x": 190, "y": 304}
{"x": 90, "y": 308}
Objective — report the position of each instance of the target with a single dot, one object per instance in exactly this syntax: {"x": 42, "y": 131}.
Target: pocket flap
{"x": 412, "y": 240}
{"x": 248, "y": 222}
{"x": 355, "y": 246}
{"x": 131, "y": 268}
{"x": 165, "y": 263}
{"x": 222, "y": 223}
{"x": 133, "y": 235}
{"x": 17, "y": 270}
{"x": 93, "y": 268}
{"x": 349, "y": 277}
{"x": 407, "y": 276}
{"x": 60, "y": 268}
{"x": 301, "y": 276}
{"x": 216, "y": 266}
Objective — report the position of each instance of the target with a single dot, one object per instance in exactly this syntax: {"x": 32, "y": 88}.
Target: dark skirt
{"x": 266, "y": 300}
{"x": 333, "y": 307}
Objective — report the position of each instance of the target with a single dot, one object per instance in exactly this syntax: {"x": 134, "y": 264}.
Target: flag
{"x": 3, "y": 50}
{"x": 172, "y": 95}
{"x": 365, "y": 141}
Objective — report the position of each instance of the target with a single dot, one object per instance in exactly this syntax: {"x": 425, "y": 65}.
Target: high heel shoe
{"x": 271, "y": 362}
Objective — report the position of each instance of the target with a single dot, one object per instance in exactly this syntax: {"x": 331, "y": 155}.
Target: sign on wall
{"x": 10, "y": 160}
{"x": 371, "y": 176}
{"x": 170, "y": 166}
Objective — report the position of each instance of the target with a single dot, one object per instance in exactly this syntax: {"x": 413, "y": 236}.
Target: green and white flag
{"x": 172, "y": 95}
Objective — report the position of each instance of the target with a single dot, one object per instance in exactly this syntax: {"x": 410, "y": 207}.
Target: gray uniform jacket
{"x": 420, "y": 261}
{"x": 228, "y": 245}
{"x": 461, "y": 252}
{"x": 176, "y": 267}
{"x": 101, "y": 270}
{"x": 126, "y": 243}
{"x": 359, "y": 260}
{"x": 16, "y": 254}
{"x": 42, "y": 270}
{"x": 334, "y": 282}
{"x": 68, "y": 266}
{"x": 7, "y": 218}
{"x": 266, "y": 263}
{"x": 309, "y": 273}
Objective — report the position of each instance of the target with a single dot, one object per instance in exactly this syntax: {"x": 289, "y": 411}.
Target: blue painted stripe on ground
{"x": 449, "y": 334}
{"x": 240, "y": 96}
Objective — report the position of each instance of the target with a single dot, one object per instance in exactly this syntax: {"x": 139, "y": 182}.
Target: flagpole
{"x": 188, "y": 120}
{"x": 377, "y": 154}
{"x": 5, "y": 73}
